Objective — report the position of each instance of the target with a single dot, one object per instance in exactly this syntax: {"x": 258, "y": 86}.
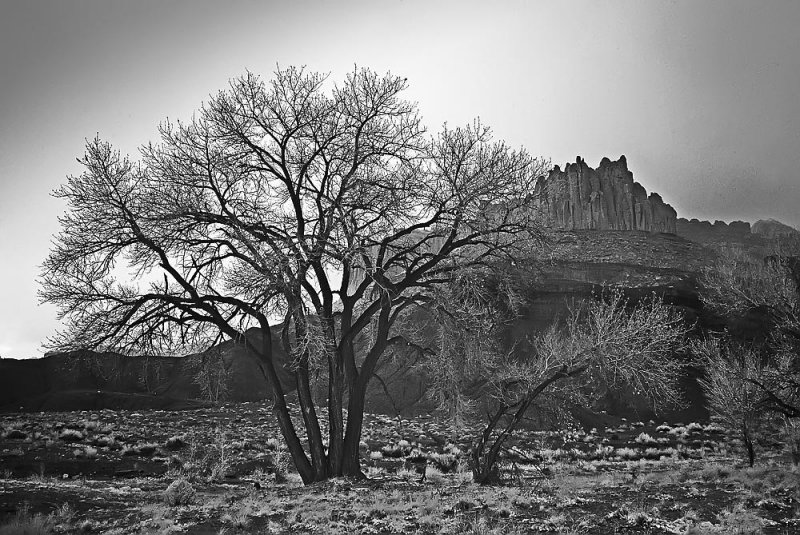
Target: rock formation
{"x": 606, "y": 198}
{"x": 718, "y": 232}
{"x": 759, "y": 239}
{"x": 770, "y": 228}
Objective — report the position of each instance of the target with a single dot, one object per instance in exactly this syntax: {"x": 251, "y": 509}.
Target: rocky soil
{"x": 223, "y": 469}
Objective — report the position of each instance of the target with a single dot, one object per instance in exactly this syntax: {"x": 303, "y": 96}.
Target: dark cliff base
{"x": 580, "y": 264}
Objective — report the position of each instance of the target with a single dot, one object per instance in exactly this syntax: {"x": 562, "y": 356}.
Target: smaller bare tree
{"x": 608, "y": 341}
{"x": 731, "y": 387}
{"x": 755, "y": 381}
{"x": 211, "y": 376}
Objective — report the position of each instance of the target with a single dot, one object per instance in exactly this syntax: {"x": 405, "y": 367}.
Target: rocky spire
{"x": 606, "y": 198}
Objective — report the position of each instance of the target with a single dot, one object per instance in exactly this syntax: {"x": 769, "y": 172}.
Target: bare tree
{"x": 733, "y": 373}
{"x": 281, "y": 202}
{"x": 605, "y": 341}
{"x": 211, "y": 375}
{"x": 740, "y": 283}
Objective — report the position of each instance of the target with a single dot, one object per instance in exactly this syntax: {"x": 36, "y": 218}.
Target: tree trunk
{"x": 484, "y": 469}
{"x": 305, "y": 397}
{"x": 280, "y": 409}
{"x": 358, "y": 382}
{"x": 351, "y": 461}
{"x": 748, "y": 444}
{"x": 335, "y": 405}
{"x": 313, "y": 431}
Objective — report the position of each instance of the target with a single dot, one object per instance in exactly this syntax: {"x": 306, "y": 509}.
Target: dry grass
{"x": 25, "y": 523}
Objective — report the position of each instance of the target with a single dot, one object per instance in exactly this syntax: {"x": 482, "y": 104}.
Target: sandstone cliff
{"x": 718, "y": 232}
{"x": 760, "y": 239}
{"x": 606, "y": 198}
{"x": 770, "y": 228}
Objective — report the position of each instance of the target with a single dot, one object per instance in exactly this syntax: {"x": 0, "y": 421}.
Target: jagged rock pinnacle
{"x": 606, "y": 198}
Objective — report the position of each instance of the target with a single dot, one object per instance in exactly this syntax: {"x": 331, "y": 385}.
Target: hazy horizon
{"x": 701, "y": 97}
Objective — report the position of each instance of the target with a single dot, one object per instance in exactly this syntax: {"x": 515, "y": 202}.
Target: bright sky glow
{"x": 702, "y": 97}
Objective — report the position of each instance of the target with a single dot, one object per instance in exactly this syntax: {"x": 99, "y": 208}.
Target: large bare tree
{"x": 324, "y": 209}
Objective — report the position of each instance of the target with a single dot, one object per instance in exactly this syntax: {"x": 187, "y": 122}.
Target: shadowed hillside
{"x": 90, "y": 380}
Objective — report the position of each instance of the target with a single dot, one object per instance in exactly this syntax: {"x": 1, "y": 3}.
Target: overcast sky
{"x": 702, "y": 97}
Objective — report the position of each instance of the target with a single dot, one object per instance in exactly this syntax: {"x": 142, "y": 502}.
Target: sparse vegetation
{"x": 179, "y": 492}
{"x": 25, "y": 523}
{"x": 555, "y": 480}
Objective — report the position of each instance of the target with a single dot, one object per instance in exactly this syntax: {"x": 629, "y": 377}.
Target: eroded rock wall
{"x": 713, "y": 233}
{"x": 606, "y": 198}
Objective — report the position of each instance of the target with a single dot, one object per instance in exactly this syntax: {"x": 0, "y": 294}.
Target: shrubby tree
{"x": 740, "y": 284}
{"x": 750, "y": 381}
{"x": 607, "y": 342}
{"x": 211, "y": 375}
{"x": 731, "y": 386}
{"x": 322, "y": 210}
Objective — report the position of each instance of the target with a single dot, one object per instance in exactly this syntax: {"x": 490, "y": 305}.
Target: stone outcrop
{"x": 719, "y": 232}
{"x": 759, "y": 239}
{"x": 606, "y": 198}
{"x": 770, "y": 228}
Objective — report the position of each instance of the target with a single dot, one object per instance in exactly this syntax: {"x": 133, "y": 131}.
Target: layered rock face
{"x": 606, "y": 198}
{"x": 759, "y": 239}
{"x": 770, "y": 228}
{"x": 712, "y": 234}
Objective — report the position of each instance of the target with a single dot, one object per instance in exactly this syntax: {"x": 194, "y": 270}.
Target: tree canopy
{"x": 323, "y": 209}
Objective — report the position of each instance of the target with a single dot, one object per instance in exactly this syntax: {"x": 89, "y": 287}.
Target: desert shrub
{"x": 463, "y": 473}
{"x": 104, "y": 442}
{"x": 179, "y": 492}
{"x": 654, "y": 453}
{"x": 280, "y": 465}
{"x": 24, "y": 523}
{"x": 147, "y": 449}
{"x": 603, "y": 452}
{"x": 646, "y": 439}
{"x": 71, "y": 435}
{"x": 407, "y": 473}
{"x": 218, "y": 458}
{"x": 628, "y": 453}
{"x": 445, "y": 462}
{"x": 90, "y": 425}
{"x": 64, "y": 514}
{"x": 210, "y": 462}
{"x": 791, "y": 433}
{"x": 482, "y": 525}
{"x": 714, "y": 473}
{"x": 175, "y": 443}
{"x": 392, "y": 451}
{"x": 740, "y": 521}
{"x": 238, "y": 519}
{"x": 434, "y": 475}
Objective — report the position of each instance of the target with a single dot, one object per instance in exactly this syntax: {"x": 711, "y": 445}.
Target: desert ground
{"x": 224, "y": 470}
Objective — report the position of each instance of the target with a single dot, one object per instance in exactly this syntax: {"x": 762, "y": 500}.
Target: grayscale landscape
{"x": 335, "y": 268}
